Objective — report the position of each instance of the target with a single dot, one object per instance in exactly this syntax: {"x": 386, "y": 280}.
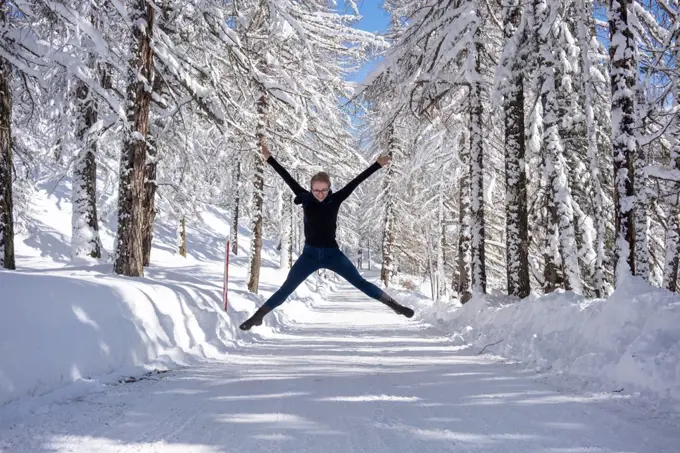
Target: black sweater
{"x": 321, "y": 217}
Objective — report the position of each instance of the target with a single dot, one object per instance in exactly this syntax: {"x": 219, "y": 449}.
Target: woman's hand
{"x": 265, "y": 151}
{"x": 384, "y": 160}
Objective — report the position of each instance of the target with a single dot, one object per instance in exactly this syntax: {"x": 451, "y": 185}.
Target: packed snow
{"x": 91, "y": 361}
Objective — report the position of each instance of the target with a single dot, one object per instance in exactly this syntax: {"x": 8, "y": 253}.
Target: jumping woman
{"x": 321, "y": 250}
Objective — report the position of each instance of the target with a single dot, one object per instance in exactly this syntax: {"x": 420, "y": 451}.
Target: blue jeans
{"x": 315, "y": 258}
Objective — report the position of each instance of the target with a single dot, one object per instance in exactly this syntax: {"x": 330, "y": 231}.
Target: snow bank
{"x": 70, "y": 326}
{"x": 630, "y": 341}
{"x": 64, "y": 326}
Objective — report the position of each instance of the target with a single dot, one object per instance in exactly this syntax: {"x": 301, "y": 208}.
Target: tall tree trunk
{"x": 6, "y": 204}
{"x": 85, "y": 239}
{"x": 477, "y": 226}
{"x": 150, "y": 174}
{"x": 623, "y": 74}
{"x": 441, "y": 264}
{"x": 286, "y": 230}
{"x": 585, "y": 7}
{"x": 641, "y": 202}
{"x": 129, "y": 251}
{"x": 517, "y": 249}
{"x": 235, "y": 202}
{"x": 464, "y": 221}
{"x": 258, "y": 201}
{"x": 670, "y": 280}
{"x": 387, "y": 271}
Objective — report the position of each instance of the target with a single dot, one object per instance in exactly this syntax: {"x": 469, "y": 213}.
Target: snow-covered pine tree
{"x": 623, "y": 75}
{"x": 591, "y": 78}
{"x": 548, "y": 23}
{"x": 85, "y": 239}
{"x": 512, "y": 89}
{"x": 437, "y": 52}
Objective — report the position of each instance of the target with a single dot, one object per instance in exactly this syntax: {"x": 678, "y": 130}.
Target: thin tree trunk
{"x": 150, "y": 173}
{"x": 183, "y": 236}
{"x": 368, "y": 253}
{"x": 85, "y": 227}
{"x": 129, "y": 251}
{"x": 585, "y": 7}
{"x": 441, "y": 272}
{"x": 551, "y": 253}
{"x": 7, "y": 259}
{"x": 670, "y": 280}
{"x": 258, "y": 201}
{"x": 516, "y": 227}
{"x": 477, "y": 226}
{"x": 286, "y": 230}
{"x": 150, "y": 187}
{"x": 235, "y": 203}
{"x": 464, "y": 236}
{"x": 641, "y": 202}
{"x": 387, "y": 271}
{"x": 623, "y": 75}
{"x": 672, "y": 251}
{"x": 290, "y": 216}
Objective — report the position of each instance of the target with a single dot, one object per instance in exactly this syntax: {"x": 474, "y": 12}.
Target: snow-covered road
{"x": 353, "y": 378}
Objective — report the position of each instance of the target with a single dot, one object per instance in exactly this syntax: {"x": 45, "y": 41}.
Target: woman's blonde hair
{"x": 322, "y": 176}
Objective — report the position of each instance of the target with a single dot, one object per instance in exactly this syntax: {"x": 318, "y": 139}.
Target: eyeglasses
{"x": 320, "y": 191}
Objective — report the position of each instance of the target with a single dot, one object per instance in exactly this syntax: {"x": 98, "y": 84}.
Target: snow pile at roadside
{"x": 74, "y": 325}
{"x": 65, "y": 326}
{"x": 629, "y": 342}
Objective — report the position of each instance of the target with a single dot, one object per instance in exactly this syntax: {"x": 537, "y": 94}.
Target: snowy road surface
{"x": 353, "y": 378}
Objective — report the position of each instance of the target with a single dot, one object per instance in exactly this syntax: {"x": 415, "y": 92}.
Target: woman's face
{"x": 320, "y": 190}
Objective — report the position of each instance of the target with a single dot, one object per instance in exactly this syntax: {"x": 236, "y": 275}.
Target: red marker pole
{"x": 226, "y": 276}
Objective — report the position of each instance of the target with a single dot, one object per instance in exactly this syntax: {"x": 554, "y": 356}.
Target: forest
{"x": 535, "y": 145}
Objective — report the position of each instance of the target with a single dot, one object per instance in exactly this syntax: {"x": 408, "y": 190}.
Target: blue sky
{"x": 374, "y": 19}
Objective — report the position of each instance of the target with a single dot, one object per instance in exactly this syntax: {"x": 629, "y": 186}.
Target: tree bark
{"x": 441, "y": 264}
{"x": 585, "y": 36}
{"x": 464, "y": 237}
{"x": 258, "y": 201}
{"x": 517, "y": 248}
{"x": 236, "y": 201}
{"x": 670, "y": 280}
{"x": 286, "y": 230}
{"x": 387, "y": 269}
{"x": 623, "y": 74}
{"x": 150, "y": 175}
{"x": 129, "y": 250}
{"x": 183, "y": 236}
{"x": 7, "y": 259}
{"x": 85, "y": 239}
{"x": 477, "y": 226}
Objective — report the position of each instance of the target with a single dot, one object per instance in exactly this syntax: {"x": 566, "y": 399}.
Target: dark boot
{"x": 256, "y": 319}
{"x": 396, "y": 306}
